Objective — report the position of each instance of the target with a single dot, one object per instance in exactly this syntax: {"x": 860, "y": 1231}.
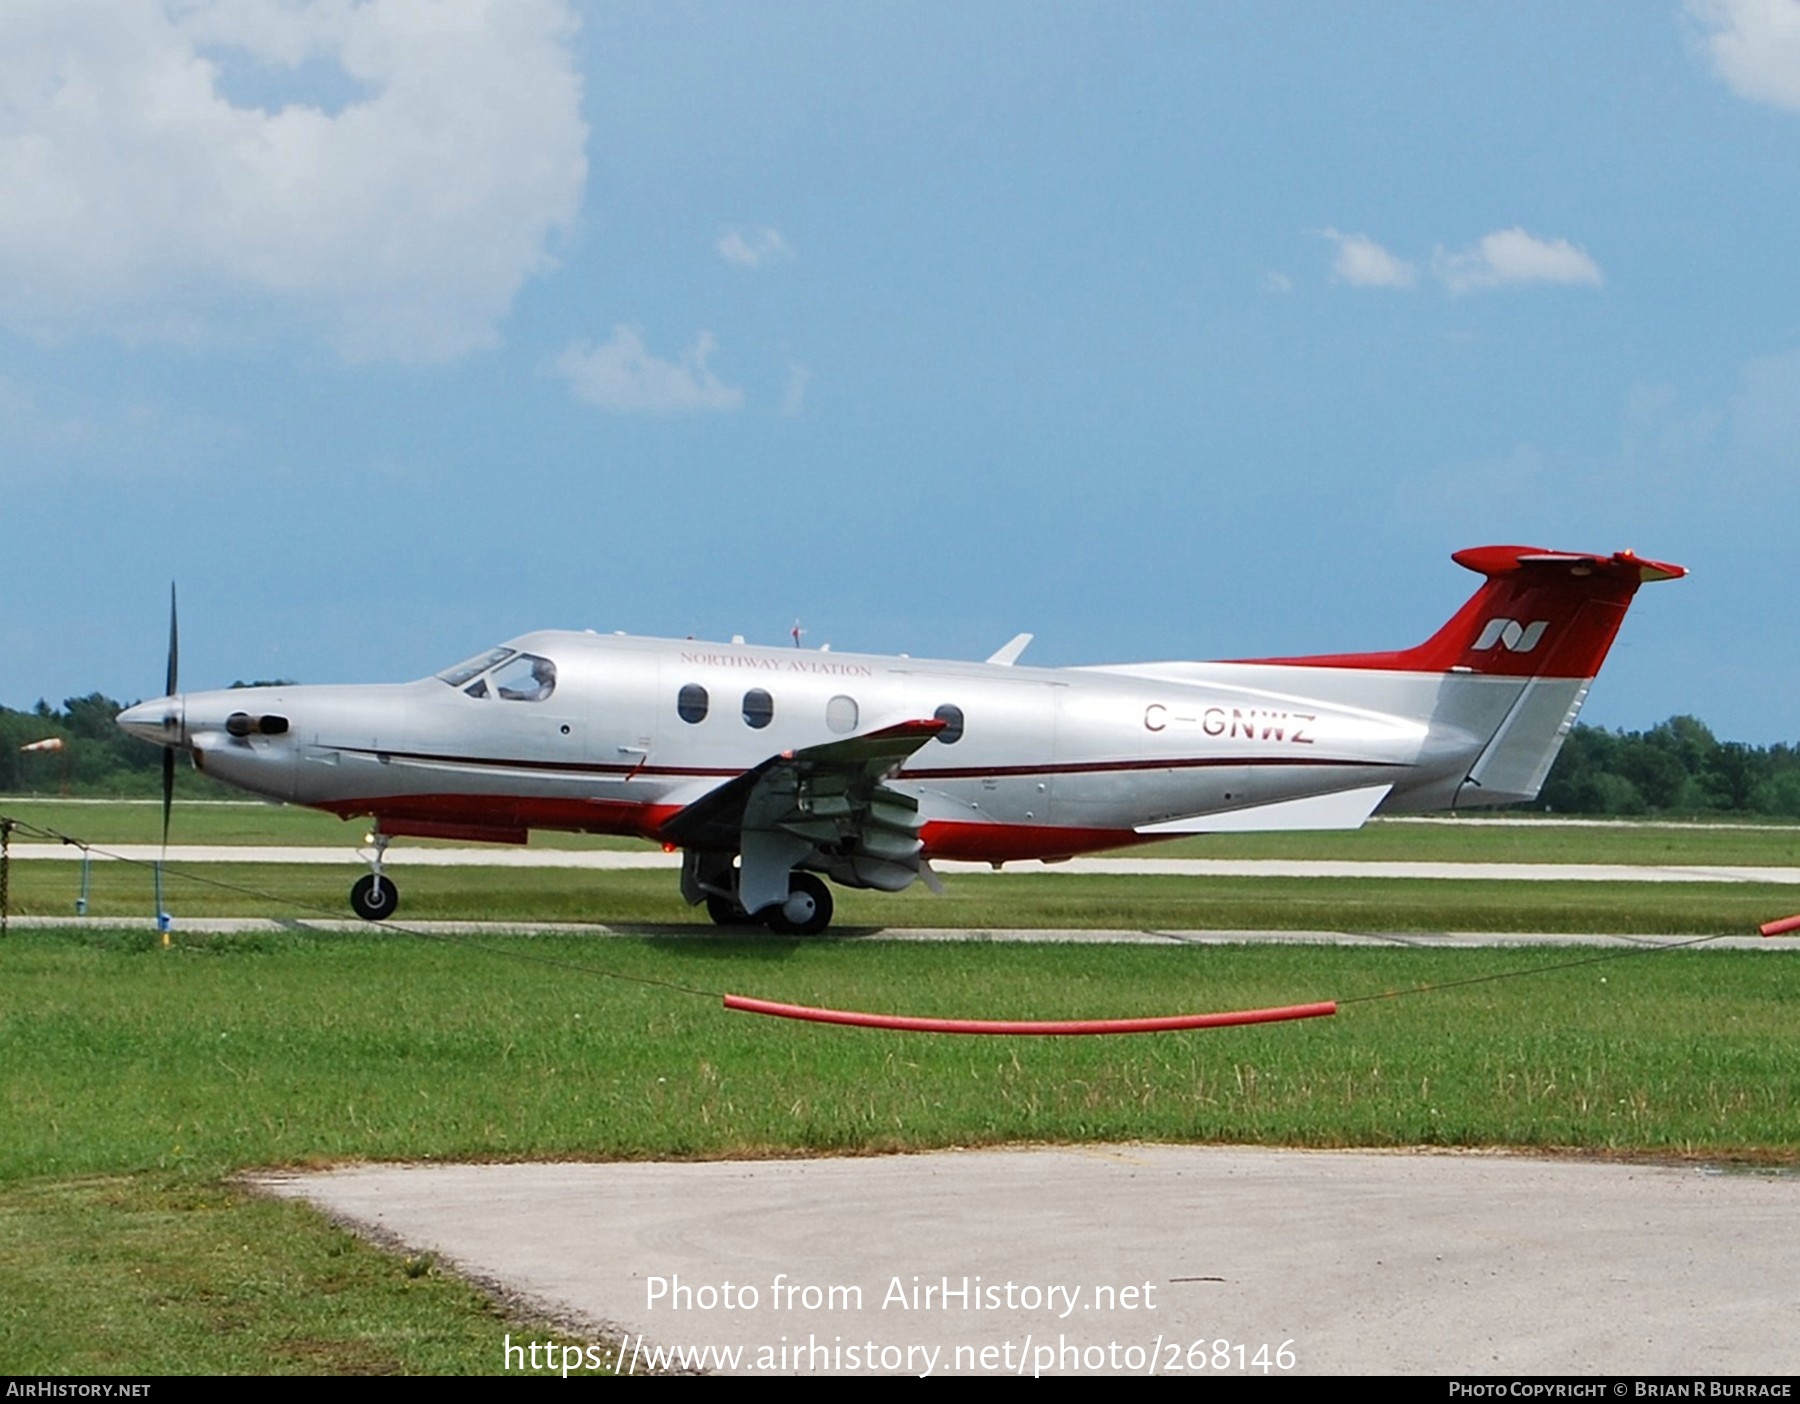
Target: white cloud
{"x": 51, "y": 434}
{"x": 140, "y": 199}
{"x": 1508, "y": 497}
{"x": 793, "y": 398}
{"x": 1722, "y": 470}
{"x": 1765, "y": 419}
{"x": 1363, "y": 263}
{"x": 622, "y": 377}
{"x": 1755, "y": 46}
{"x": 1511, "y": 256}
{"x": 750, "y": 250}
{"x": 1279, "y": 283}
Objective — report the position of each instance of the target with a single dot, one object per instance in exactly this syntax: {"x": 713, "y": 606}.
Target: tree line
{"x": 96, "y": 759}
{"x": 1677, "y": 767}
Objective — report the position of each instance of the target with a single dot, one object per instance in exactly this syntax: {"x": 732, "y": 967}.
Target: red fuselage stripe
{"x": 975, "y": 842}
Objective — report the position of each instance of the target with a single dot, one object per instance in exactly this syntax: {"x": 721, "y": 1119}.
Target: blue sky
{"x": 393, "y": 329}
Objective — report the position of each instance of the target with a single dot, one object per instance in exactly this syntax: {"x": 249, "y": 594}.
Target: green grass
{"x": 1538, "y": 840}
{"x": 161, "y": 1274}
{"x": 140, "y": 1081}
{"x": 1534, "y": 841}
{"x": 301, "y": 1048}
{"x": 649, "y": 900}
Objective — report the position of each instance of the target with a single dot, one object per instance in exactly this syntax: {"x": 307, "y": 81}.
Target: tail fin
{"x": 1539, "y": 627}
{"x": 1542, "y": 614}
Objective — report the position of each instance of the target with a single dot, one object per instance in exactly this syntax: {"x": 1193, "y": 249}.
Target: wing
{"x": 827, "y": 806}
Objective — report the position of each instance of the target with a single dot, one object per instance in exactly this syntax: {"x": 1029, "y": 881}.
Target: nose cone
{"x": 158, "y": 721}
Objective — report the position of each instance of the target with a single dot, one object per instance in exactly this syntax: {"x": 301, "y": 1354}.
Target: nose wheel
{"x": 375, "y": 898}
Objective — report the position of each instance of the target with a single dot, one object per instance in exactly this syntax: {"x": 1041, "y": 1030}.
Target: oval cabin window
{"x": 759, "y": 708}
{"x": 840, "y": 714}
{"x": 690, "y": 703}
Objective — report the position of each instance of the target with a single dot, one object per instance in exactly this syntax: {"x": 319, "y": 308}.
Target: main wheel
{"x": 725, "y": 912}
{"x": 807, "y": 910}
{"x": 374, "y": 900}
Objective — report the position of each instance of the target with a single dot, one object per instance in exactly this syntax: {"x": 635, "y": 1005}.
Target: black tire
{"x": 373, "y": 903}
{"x": 777, "y": 919}
{"x": 724, "y": 911}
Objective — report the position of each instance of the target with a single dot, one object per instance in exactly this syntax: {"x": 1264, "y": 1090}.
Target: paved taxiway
{"x": 1358, "y": 1262}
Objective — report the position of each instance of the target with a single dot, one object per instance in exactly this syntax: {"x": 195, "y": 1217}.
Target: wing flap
{"x": 823, "y": 806}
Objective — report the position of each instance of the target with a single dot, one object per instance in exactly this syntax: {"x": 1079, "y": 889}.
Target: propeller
{"x": 169, "y": 684}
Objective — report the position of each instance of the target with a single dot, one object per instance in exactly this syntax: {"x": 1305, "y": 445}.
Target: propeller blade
{"x": 174, "y": 646}
{"x": 170, "y": 684}
{"x": 168, "y": 792}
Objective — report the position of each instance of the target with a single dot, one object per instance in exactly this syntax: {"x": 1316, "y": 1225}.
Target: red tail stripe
{"x": 1539, "y": 613}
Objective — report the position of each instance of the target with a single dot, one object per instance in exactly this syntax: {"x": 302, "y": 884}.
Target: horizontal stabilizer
{"x": 1347, "y": 809}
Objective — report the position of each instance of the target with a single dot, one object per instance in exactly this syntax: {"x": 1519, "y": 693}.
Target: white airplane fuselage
{"x": 1049, "y": 760}
{"x": 614, "y": 734}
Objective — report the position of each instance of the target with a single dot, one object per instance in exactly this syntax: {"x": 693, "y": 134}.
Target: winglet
{"x": 1008, "y": 655}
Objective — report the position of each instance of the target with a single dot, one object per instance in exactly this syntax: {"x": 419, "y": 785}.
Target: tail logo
{"x": 1511, "y": 635}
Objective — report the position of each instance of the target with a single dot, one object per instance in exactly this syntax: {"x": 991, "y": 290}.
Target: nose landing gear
{"x": 374, "y": 897}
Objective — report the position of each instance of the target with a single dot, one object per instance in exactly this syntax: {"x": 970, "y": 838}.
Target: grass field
{"x": 141, "y": 1080}
{"x": 1533, "y": 840}
{"x": 648, "y": 902}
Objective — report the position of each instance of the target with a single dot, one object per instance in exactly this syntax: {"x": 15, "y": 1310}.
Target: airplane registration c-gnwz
{"x": 770, "y": 767}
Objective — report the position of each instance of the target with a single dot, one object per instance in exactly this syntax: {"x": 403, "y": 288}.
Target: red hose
{"x": 1777, "y": 928}
{"x": 909, "y": 1024}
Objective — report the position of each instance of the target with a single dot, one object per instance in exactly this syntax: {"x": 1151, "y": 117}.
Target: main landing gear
{"x": 374, "y": 897}
{"x": 806, "y": 912}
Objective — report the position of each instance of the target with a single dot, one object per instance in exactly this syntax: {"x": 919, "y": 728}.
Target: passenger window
{"x": 952, "y": 718}
{"x": 840, "y": 715}
{"x": 759, "y": 708}
{"x": 691, "y": 703}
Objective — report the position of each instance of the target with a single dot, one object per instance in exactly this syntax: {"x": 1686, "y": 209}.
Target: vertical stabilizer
{"x": 1543, "y": 621}
{"x": 1538, "y": 614}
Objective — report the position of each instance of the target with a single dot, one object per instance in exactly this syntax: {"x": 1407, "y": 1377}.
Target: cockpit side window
{"x": 469, "y": 667}
{"x": 524, "y": 678}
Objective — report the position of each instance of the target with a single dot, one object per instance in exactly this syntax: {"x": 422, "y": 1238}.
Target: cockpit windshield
{"x": 509, "y": 675}
{"x": 469, "y": 667}
{"x": 526, "y": 678}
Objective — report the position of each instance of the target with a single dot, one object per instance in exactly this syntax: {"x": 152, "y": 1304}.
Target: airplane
{"x": 773, "y": 769}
